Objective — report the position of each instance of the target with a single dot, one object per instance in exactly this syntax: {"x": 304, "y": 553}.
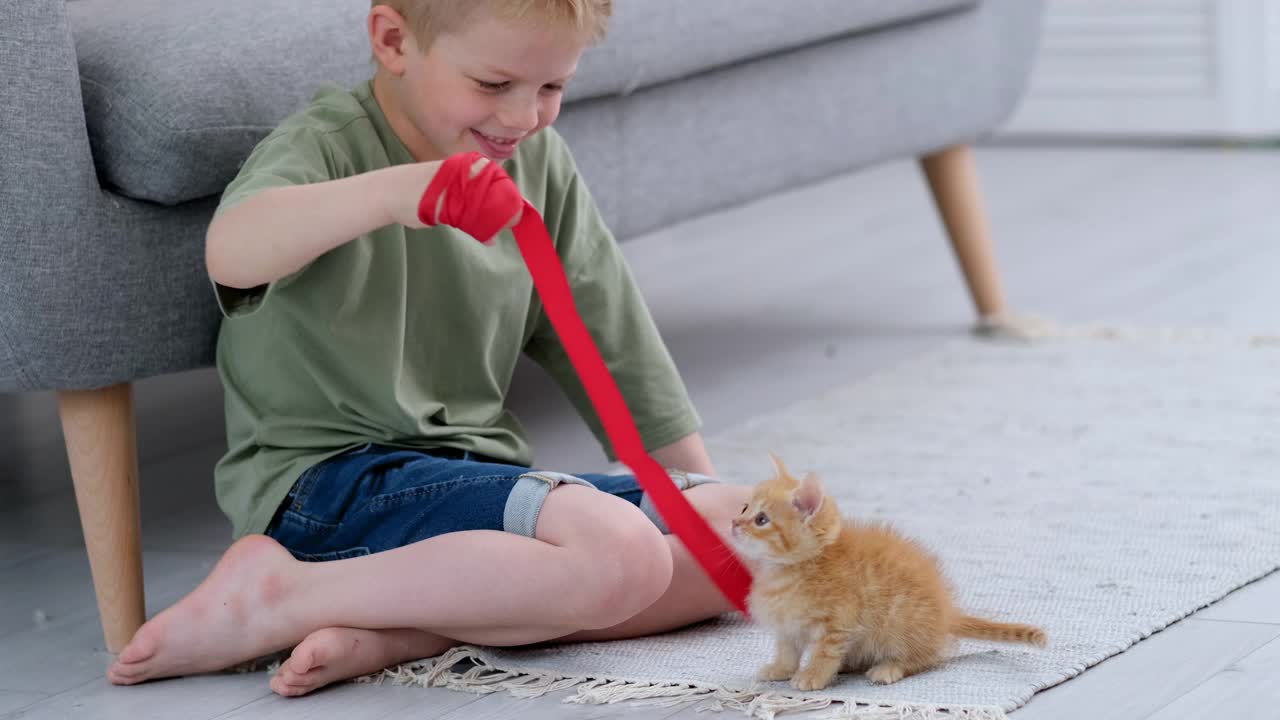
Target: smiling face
{"x": 484, "y": 87}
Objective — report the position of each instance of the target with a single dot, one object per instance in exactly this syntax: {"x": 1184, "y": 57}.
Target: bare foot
{"x": 232, "y": 617}
{"x": 334, "y": 654}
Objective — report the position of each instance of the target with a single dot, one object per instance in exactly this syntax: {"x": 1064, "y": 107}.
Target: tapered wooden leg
{"x": 953, "y": 179}
{"x": 99, "y": 429}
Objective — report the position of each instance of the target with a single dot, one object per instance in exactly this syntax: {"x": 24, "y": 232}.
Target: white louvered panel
{"x": 1188, "y": 68}
{"x": 1149, "y": 46}
{"x": 1273, "y": 45}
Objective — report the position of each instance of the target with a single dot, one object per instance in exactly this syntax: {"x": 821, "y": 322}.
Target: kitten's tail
{"x": 968, "y": 626}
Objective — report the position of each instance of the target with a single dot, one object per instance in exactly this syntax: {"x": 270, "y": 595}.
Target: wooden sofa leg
{"x": 100, "y": 433}
{"x": 953, "y": 179}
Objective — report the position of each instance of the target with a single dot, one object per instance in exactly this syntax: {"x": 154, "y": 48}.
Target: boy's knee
{"x": 630, "y": 568}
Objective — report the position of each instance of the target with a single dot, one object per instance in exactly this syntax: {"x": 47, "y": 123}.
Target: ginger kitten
{"x": 860, "y": 595}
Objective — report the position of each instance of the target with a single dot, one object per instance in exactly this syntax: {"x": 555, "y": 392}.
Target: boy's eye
{"x": 761, "y": 520}
{"x": 492, "y": 86}
{"x": 553, "y": 88}
{"x": 744, "y": 509}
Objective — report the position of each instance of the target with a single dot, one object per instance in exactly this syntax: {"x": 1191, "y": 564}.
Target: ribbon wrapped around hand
{"x": 482, "y": 206}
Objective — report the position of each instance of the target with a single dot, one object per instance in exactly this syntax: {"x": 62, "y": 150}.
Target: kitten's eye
{"x": 761, "y": 520}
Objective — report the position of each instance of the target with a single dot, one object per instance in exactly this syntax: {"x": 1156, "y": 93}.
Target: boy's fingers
{"x": 515, "y": 220}
{"x": 476, "y": 167}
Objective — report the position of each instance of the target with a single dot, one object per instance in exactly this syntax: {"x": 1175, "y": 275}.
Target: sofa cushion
{"x": 177, "y": 92}
{"x": 656, "y": 41}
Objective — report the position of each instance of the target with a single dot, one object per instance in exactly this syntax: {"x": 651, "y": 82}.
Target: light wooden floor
{"x": 760, "y": 305}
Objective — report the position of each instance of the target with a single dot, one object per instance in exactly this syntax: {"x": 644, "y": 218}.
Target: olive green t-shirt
{"x": 409, "y": 338}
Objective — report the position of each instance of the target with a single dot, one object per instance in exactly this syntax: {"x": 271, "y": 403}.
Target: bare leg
{"x": 479, "y": 587}
{"x": 334, "y": 654}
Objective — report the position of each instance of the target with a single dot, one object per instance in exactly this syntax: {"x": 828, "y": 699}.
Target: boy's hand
{"x": 412, "y": 183}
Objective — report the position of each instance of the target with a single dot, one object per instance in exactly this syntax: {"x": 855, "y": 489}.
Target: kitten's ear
{"x": 808, "y": 497}
{"x": 778, "y": 467}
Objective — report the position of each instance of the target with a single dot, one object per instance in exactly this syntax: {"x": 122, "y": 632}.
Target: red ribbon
{"x": 481, "y": 207}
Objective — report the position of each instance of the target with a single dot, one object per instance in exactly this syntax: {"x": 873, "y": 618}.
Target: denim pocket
{"x": 334, "y": 555}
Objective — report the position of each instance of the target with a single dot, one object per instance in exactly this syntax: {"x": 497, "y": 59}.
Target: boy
{"x": 380, "y": 491}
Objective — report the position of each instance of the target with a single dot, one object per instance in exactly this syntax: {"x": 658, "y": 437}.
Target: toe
{"x": 293, "y": 684}
{"x": 302, "y": 660}
{"x": 126, "y": 673}
{"x": 283, "y": 689}
{"x": 284, "y": 684}
{"x": 142, "y": 647}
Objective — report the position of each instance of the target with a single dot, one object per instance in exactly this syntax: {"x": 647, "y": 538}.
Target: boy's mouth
{"x": 497, "y": 148}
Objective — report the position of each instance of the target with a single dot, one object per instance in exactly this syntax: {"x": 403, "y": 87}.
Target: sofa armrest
{"x": 49, "y": 191}
{"x": 47, "y": 176}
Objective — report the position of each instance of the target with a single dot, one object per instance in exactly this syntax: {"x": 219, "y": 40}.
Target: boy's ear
{"x": 808, "y": 497}
{"x": 390, "y": 37}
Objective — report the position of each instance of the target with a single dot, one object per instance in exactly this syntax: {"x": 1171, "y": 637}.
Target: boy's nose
{"x": 521, "y": 116}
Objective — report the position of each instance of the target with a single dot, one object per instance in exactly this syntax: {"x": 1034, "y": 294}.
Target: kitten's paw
{"x": 811, "y": 680}
{"x": 776, "y": 671}
{"x": 886, "y": 673}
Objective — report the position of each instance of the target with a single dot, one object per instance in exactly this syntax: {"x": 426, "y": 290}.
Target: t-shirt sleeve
{"x": 610, "y": 303}
{"x": 286, "y": 157}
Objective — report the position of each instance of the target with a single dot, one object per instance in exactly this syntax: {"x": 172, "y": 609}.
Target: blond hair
{"x": 431, "y": 18}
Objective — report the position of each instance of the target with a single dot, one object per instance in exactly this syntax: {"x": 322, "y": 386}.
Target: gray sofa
{"x": 123, "y": 119}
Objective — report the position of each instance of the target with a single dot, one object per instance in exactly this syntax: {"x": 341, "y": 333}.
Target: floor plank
{"x": 13, "y": 701}
{"x": 1258, "y": 602}
{"x": 1245, "y": 689}
{"x": 204, "y": 696}
{"x": 65, "y": 589}
{"x": 1151, "y": 674}
{"x": 66, "y": 592}
{"x": 13, "y": 553}
{"x": 68, "y": 650}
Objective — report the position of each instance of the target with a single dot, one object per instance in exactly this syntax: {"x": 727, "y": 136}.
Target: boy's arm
{"x": 688, "y": 454}
{"x": 277, "y": 231}
{"x": 294, "y": 202}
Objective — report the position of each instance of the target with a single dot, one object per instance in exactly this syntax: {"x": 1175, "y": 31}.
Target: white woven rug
{"x": 1101, "y": 485}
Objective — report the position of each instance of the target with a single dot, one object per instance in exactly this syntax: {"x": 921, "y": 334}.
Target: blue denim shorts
{"x": 377, "y": 498}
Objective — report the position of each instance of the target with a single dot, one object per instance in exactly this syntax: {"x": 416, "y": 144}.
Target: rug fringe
{"x": 482, "y": 678}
